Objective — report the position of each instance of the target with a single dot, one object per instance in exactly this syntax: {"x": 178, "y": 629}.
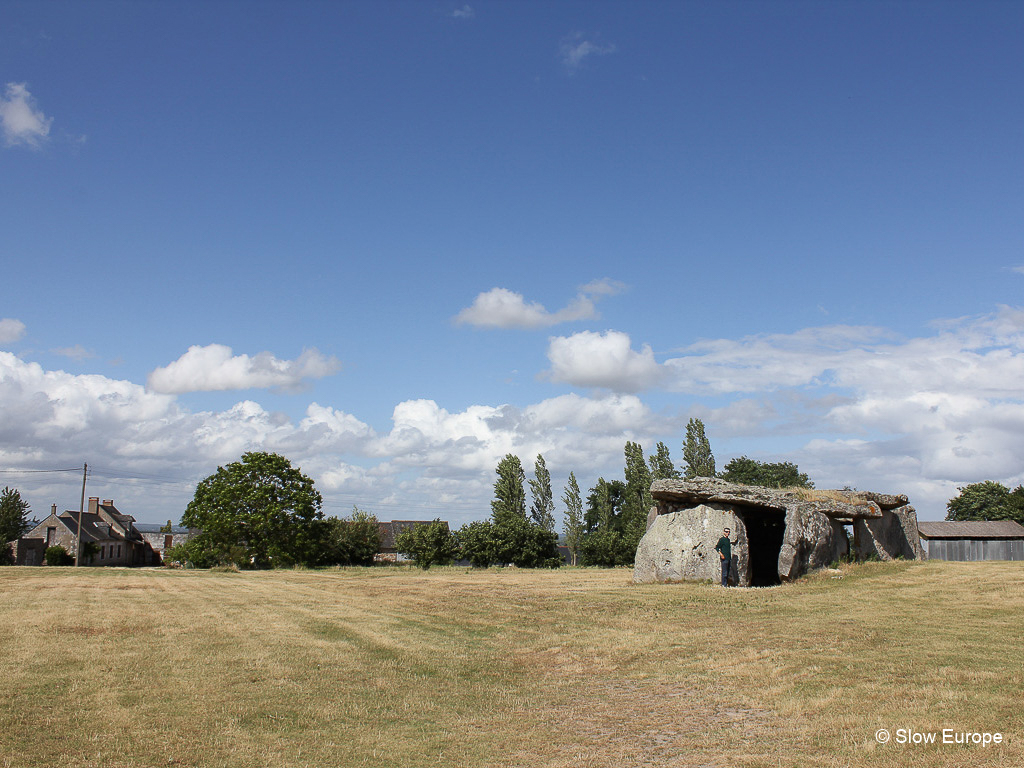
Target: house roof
{"x": 990, "y": 529}
{"x": 94, "y": 527}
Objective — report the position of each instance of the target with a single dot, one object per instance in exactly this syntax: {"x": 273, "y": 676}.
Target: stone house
{"x": 160, "y": 540}
{"x": 778, "y": 535}
{"x": 116, "y": 539}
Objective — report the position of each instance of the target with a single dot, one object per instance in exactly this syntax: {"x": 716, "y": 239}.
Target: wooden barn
{"x": 967, "y": 541}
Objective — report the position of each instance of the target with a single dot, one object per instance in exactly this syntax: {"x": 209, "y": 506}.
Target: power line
{"x": 36, "y": 471}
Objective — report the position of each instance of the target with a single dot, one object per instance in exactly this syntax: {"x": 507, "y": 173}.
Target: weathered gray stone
{"x": 679, "y": 546}
{"x": 811, "y": 542}
{"x": 778, "y": 534}
{"x": 849, "y": 505}
{"x": 895, "y": 535}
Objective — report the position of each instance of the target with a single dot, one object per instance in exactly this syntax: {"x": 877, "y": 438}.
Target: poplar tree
{"x": 573, "y": 516}
{"x": 543, "y": 507}
{"x": 637, "y": 501}
{"x": 662, "y": 467}
{"x": 509, "y": 494}
{"x": 697, "y": 456}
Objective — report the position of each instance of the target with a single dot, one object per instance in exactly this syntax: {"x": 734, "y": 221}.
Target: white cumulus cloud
{"x": 215, "y": 368}
{"x": 502, "y": 308}
{"x": 606, "y": 360}
{"x": 22, "y": 122}
{"x": 11, "y": 330}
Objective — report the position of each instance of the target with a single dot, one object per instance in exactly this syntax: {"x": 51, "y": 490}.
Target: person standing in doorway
{"x": 724, "y": 549}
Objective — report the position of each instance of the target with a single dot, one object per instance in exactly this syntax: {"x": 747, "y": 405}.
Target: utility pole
{"x": 81, "y": 509}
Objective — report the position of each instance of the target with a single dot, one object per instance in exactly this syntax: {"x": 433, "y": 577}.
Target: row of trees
{"x": 608, "y": 531}
{"x": 509, "y": 537}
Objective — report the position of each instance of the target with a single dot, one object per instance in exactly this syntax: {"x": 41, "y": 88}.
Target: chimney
{"x": 108, "y": 502}
{"x": 94, "y": 505}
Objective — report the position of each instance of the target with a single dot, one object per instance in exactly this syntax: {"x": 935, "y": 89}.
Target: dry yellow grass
{"x": 394, "y": 667}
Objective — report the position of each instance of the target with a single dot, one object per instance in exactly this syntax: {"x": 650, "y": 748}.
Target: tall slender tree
{"x": 637, "y": 501}
{"x": 14, "y": 522}
{"x": 509, "y": 494}
{"x": 543, "y": 507}
{"x": 604, "y": 506}
{"x": 697, "y": 456}
{"x": 662, "y": 467}
{"x": 573, "y": 517}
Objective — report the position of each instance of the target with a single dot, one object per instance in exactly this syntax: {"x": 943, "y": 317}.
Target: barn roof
{"x": 989, "y": 529}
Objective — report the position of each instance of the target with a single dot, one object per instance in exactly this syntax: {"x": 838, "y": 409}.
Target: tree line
{"x": 261, "y": 512}
{"x": 602, "y": 530}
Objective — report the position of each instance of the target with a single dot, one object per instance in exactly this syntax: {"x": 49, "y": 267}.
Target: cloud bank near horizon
{"x": 917, "y": 415}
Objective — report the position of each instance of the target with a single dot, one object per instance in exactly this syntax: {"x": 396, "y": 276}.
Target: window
{"x": 102, "y": 553}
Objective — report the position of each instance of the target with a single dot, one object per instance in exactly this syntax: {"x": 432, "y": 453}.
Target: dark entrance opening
{"x": 766, "y": 530}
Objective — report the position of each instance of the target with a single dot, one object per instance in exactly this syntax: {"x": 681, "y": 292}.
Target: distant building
{"x": 981, "y": 540}
{"x": 160, "y": 540}
{"x": 116, "y": 539}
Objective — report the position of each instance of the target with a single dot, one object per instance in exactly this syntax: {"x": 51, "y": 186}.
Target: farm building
{"x": 160, "y": 539}
{"x": 111, "y": 536}
{"x": 987, "y": 540}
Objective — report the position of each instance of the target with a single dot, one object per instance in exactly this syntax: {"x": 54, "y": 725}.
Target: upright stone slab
{"x": 679, "y": 546}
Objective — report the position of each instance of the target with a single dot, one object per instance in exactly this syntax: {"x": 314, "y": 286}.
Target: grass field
{"x": 397, "y": 667}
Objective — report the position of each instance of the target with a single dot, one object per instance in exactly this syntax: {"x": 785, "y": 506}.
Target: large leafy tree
{"x": 781, "y": 474}
{"x": 259, "y": 511}
{"x": 662, "y": 467}
{"x": 697, "y": 456}
{"x": 428, "y": 544}
{"x": 573, "y": 517}
{"x": 509, "y": 493}
{"x": 14, "y": 512}
{"x": 543, "y": 507}
{"x": 524, "y": 544}
{"x": 477, "y": 543}
{"x": 987, "y": 500}
{"x": 354, "y": 540}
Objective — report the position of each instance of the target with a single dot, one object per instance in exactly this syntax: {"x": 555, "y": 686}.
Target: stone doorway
{"x": 766, "y": 531}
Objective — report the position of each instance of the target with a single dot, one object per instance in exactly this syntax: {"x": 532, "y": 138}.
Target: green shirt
{"x": 725, "y": 547}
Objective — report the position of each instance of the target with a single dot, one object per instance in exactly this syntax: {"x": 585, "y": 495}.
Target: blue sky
{"x": 396, "y": 241}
